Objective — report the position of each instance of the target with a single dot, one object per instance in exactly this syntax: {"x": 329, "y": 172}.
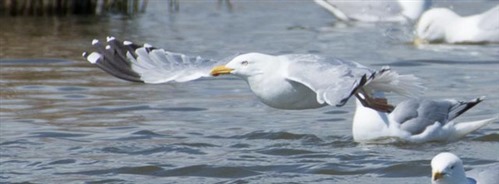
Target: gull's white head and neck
{"x": 433, "y": 24}
{"x": 447, "y": 168}
{"x": 246, "y": 65}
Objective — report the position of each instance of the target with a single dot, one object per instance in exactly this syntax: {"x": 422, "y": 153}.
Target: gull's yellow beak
{"x": 419, "y": 41}
{"x": 220, "y": 70}
{"x": 437, "y": 175}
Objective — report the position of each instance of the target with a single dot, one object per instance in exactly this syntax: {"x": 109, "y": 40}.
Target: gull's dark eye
{"x": 451, "y": 167}
{"x": 244, "y": 63}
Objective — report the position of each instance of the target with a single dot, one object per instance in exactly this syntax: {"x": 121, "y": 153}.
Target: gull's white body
{"x": 447, "y": 168}
{"x": 376, "y": 11}
{"x": 271, "y": 86}
{"x": 443, "y": 25}
{"x": 304, "y": 81}
{"x": 409, "y": 124}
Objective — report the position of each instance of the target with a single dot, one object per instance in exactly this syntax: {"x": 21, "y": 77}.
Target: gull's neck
{"x": 458, "y": 178}
{"x": 368, "y": 123}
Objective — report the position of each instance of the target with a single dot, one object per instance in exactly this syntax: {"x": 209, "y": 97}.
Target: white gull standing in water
{"x": 416, "y": 121}
{"x": 443, "y": 25}
{"x": 285, "y": 81}
{"x": 447, "y": 168}
{"x": 376, "y": 11}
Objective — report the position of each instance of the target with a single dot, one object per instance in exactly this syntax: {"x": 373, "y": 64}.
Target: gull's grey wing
{"x": 364, "y": 10}
{"x": 490, "y": 20}
{"x": 333, "y": 80}
{"x": 485, "y": 175}
{"x": 144, "y": 63}
{"x": 414, "y": 115}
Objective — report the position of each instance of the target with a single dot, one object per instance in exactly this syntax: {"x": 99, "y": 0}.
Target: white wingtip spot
{"x": 95, "y": 41}
{"x": 146, "y": 45}
{"x": 93, "y": 57}
{"x": 108, "y": 47}
{"x": 127, "y": 43}
{"x": 109, "y": 38}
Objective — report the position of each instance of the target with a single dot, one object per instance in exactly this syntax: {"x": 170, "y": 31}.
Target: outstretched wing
{"x": 145, "y": 63}
{"x": 333, "y": 80}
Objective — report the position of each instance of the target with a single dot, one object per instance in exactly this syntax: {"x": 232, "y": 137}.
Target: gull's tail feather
{"x": 462, "y": 106}
{"x": 464, "y": 128}
{"x": 387, "y": 80}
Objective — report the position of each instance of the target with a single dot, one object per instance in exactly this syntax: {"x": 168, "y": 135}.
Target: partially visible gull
{"x": 294, "y": 81}
{"x": 376, "y": 11}
{"x": 415, "y": 121}
{"x": 443, "y": 25}
{"x": 447, "y": 168}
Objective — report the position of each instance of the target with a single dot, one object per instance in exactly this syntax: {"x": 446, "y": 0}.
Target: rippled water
{"x": 63, "y": 120}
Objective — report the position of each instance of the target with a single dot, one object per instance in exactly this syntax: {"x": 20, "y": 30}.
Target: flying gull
{"x": 292, "y": 81}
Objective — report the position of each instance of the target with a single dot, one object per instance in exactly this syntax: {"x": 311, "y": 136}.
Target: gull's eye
{"x": 451, "y": 167}
{"x": 244, "y": 63}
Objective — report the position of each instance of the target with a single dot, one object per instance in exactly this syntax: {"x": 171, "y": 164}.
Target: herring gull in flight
{"x": 293, "y": 81}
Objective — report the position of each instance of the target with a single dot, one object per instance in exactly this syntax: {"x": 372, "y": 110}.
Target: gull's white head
{"x": 432, "y": 25}
{"x": 447, "y": 168}
{"x": 246, "y": 65}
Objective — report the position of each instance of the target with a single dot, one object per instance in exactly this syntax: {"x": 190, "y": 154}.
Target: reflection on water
{"x": 63, "y": 120}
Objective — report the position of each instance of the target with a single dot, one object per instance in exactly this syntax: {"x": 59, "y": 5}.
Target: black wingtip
{"x": 355, "y": 89}
{"x": 112, "y": 58}
{"x": 463, "y": 106}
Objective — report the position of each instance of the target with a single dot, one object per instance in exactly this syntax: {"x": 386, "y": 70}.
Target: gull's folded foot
{"x": 379, "y": 104}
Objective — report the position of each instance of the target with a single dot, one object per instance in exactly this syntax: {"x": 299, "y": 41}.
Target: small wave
{"x": 277, "y": 136}
{"x": 195, "y": 170}
{"x": 57, "y": 134}
{"x": 285, "y": 152}
{"x": 414, "y": 168}
{"x": 134, "y": 150}
{"x": 63, "y": 161}
{"x": 494, "y": 137}
{"x": 144, "y": 107}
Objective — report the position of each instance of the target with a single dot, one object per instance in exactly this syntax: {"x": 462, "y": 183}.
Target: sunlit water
{"x": 64, "y": 120}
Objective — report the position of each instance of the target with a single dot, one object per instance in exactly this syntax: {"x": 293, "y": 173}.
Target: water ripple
{"x": 278, "y": 136}
{"x": 195, "y": 170}
{"x": 134, "y": 150}
{"x": 285, "y": 152}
